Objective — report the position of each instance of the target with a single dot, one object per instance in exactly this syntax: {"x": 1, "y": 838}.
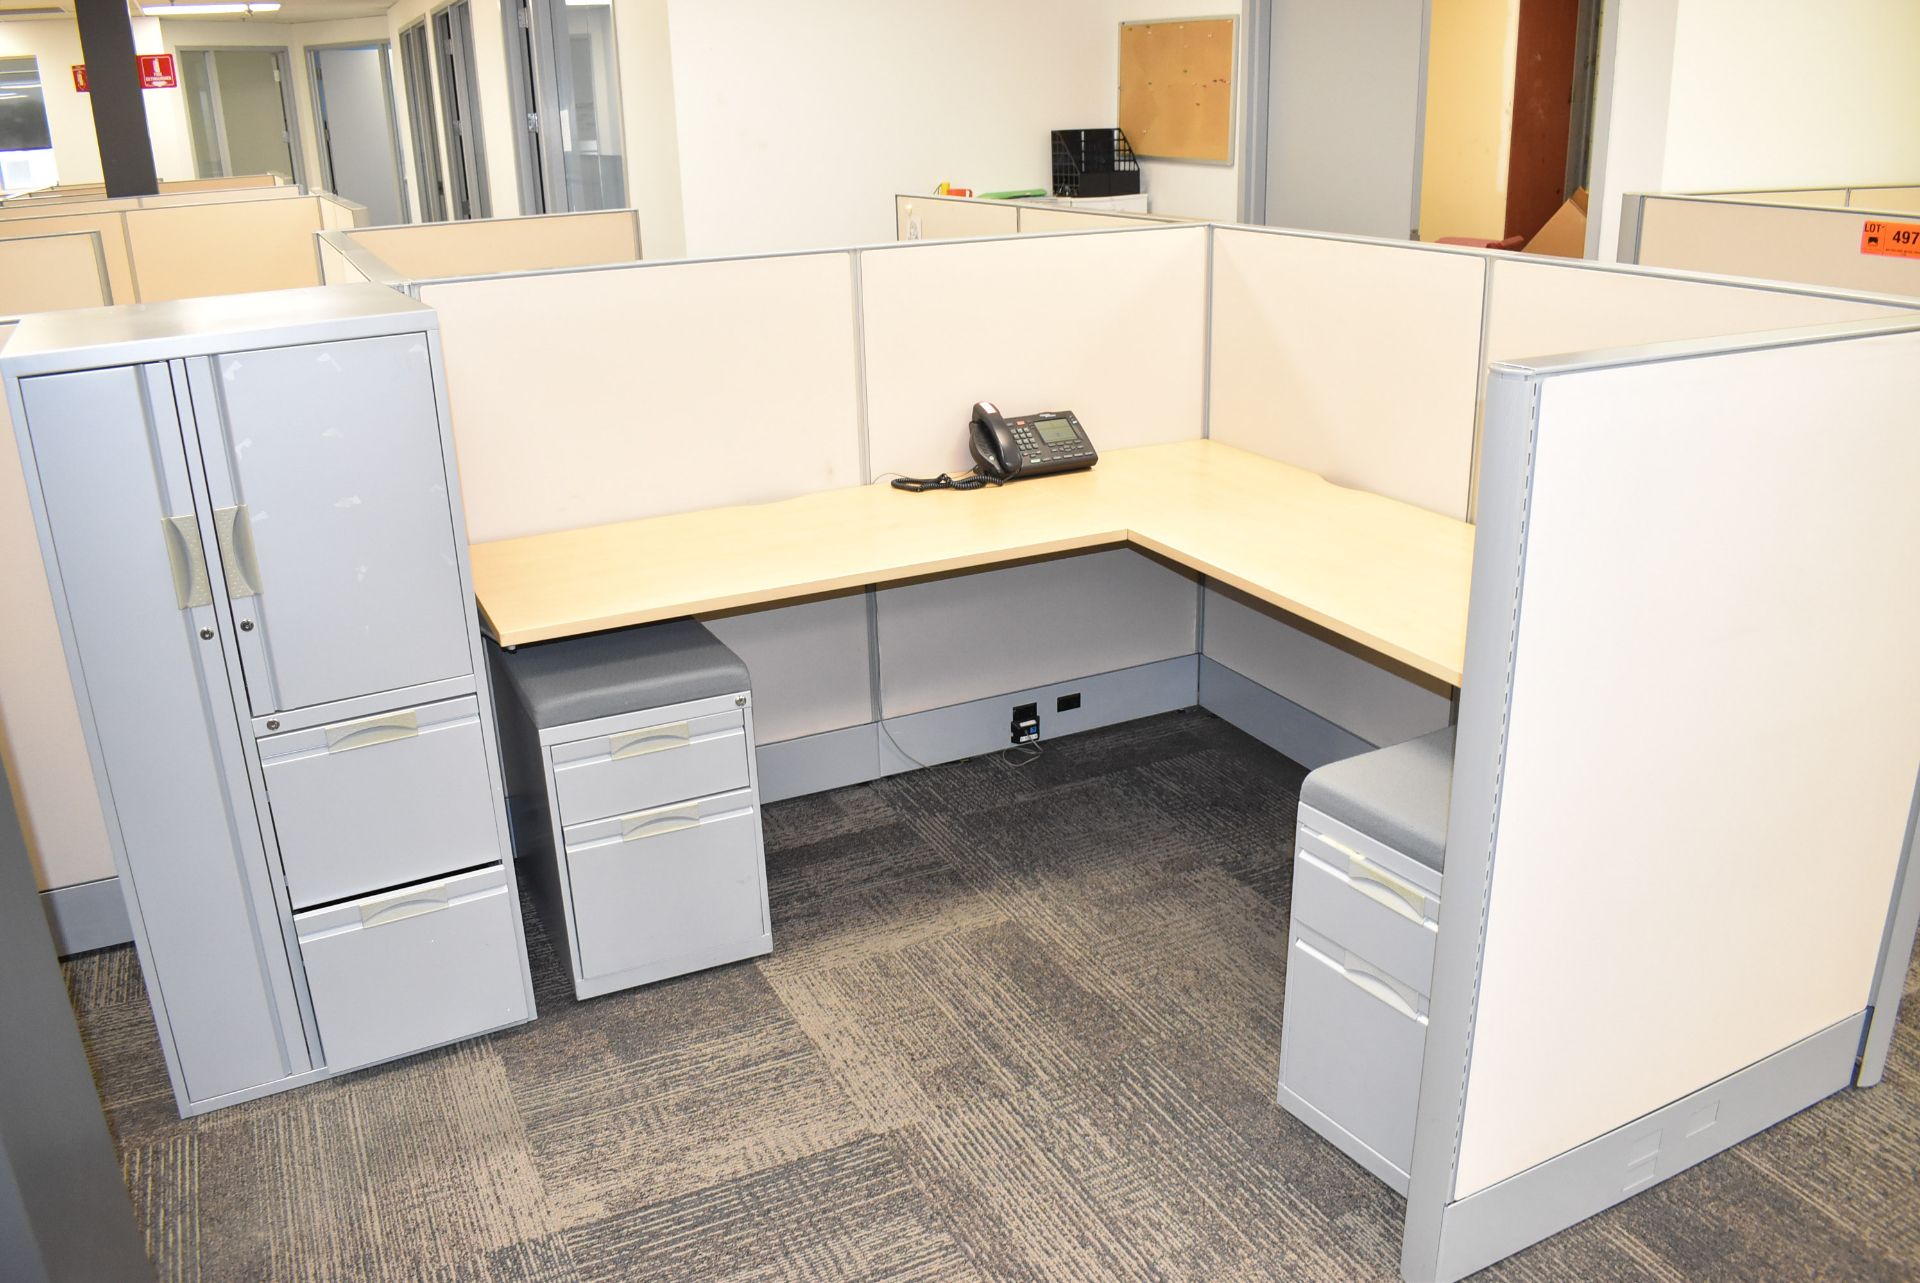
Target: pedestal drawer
{"x": 666, "y": 884}
{"x": 413, "y": 968}
{"x": 1368, "y": 910}
{"x": 649, "y": 765}
{"x": 381, "y": 801}
{"x": 1351, "y": 1047}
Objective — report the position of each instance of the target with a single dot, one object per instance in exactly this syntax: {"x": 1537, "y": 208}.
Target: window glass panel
{"x": 26, "y": 142}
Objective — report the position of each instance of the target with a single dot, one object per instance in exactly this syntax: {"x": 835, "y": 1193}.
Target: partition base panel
{"x": 1522, "y": 1210}
{"x": 1276, "y": 721}
{"x": 817, "y": 763}
{"x": 87, "y": 916}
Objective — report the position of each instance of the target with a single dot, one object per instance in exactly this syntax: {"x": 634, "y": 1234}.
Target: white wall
{"x": 55, "y": 44}
{"x": 1192, "y": 189}
{"x": 1752, "y": 94}
{"x": 797, "y": 123}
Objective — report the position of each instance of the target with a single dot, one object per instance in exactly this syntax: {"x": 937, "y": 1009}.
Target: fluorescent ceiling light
{"x": 201, "y": 10}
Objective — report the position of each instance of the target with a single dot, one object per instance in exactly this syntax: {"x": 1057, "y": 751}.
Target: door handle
{"x": 233, "y": 528}
{"x": 187, "y": 559}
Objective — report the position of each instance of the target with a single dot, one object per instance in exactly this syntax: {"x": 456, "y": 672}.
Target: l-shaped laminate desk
{"x": 1386, "y": 575}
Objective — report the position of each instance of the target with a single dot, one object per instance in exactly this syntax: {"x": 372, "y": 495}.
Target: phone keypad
{"x": 1033, "y": 448}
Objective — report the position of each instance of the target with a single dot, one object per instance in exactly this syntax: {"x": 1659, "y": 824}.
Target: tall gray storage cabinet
{"x": 252, "y": 530}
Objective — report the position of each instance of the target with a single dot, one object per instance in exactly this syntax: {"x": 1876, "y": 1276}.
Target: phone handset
{"x": 991, "y": 443}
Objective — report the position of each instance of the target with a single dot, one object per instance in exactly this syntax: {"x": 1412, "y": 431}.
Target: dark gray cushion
{"x": 577, "y": 679}
{"x": 1395, "y": 795}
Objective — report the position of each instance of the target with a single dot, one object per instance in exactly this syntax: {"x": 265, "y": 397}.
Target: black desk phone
{"x": 1006, "y": 449}
{"x": 1051, "y": 441}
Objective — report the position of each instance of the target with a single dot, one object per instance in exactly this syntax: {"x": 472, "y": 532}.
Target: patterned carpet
{"x": 1021, "y": 1022}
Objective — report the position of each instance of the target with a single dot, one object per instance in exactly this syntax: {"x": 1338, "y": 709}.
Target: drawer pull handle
{"x": 653, "y": 739}
{"x": 410, "y": 906}
{"x": 345, "y": 736}
{"x": 233, "y": 530}
{"x": 1385, "y": 988}
{"x": 657, "y": 824}
{"x": 187, "y": 558}
{"x": 1382, "y": 887}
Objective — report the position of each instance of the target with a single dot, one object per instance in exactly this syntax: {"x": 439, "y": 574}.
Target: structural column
{"x": 113, "y": 85}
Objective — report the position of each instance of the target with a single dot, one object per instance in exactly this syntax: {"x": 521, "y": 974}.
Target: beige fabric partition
{"x": 1894, "y": 199}
{"x": 1735, "y": 238}
{"x": 113, "y": 243}
{"x": 1108, "y": 325}
{"x": 1652, "y": 926}
{"x": 1539, "y": 307}
{"x": 40, "y": 735}
{"x": 485, "y": 247}
{"x": 1357, "y": 360}
{"x": 336, "y": 268}
{"x": 1116, "y": 334}
{"x": 936, "y": 218}
{"x": 1043, "y": 218}
{"x": 192, "y": 250}
{"x": 47, "y": 273}
{"x": 587, "y": 397}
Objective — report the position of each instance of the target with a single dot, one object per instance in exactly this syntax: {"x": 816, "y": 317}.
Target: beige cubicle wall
{"x": 51, "y": 272}
{"x": 486, "y": 247}
{"x": 934, "y": 218}
{"x": 1792, "y": 238}
{"x": 1891, "y": 198}
{"x": 86, "y": 191}
{"x": 192, "y": 243}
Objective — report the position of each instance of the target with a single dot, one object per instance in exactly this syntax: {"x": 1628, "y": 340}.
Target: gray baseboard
{"x": 856, "y": 754}
{"x": 1273, "y": 719}
{"x": 981, "y": 726}
{"x": 816, "y": 763}
{"x": 87, "y": 916}
{"x": 1500, "y": 1220}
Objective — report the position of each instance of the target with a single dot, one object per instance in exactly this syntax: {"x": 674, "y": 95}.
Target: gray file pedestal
{"x": 631, "y": 771}
{"x": 1366, "y": 905}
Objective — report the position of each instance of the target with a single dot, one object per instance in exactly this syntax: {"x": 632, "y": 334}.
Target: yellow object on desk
{"x": 1384, "y": 574}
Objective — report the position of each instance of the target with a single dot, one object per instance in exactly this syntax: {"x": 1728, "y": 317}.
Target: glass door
{"x": 459, "y": 112}
{"x": 416, "y": 75}
{"x": 566, "y": 78}
{"x": 239, "y": 117}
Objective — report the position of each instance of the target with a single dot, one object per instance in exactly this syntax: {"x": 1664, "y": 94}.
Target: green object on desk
{"x": 1027, "y": 194}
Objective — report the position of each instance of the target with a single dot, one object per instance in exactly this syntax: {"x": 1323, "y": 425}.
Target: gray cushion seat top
{"x": 1397, "y": 795}
{"x": 577, "y": 679}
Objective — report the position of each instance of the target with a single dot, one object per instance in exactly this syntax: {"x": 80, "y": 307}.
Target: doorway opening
{"x": 359, "y": 128}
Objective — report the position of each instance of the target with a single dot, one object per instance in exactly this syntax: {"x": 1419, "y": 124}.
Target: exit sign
{"x": 156, "y": 72}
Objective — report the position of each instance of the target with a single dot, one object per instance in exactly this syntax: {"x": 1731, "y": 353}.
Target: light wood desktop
{"x": 1384, "y": 574}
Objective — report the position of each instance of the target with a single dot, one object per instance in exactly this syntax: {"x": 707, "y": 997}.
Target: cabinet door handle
{"x": 653, "y": 739}
{"x": 233, "y": 528}
{"x": 187, "y": 559}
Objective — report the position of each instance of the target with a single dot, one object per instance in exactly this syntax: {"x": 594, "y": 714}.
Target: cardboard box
{"x": 1565, "y": 235}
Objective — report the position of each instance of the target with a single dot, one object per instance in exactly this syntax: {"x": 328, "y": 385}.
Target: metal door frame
{"x": 451, "y": 37}
{"x": 428, "y": 172}
{"x": 321, "y": 134}
{"x": 541, "y": 80}
{"x": 289, "y": 104}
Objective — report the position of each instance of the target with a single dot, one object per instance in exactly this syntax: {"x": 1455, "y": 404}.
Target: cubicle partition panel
{"x": 663, "y": 387}
{"x": 1110, "y": 325}
{"x": 1835, "y": 247}
{"x": 424, "y": 252}
{"x": 46, "y": 273}
{"x": 1641, "y": 963}
{"x": 231, "y": 247}
{"x": 109, "y": 227}
{"x": 934, "y": 218}
{"x": 937, "y": 218}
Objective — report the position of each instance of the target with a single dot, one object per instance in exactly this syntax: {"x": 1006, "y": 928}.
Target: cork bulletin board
{"x": 1176, "y": 88}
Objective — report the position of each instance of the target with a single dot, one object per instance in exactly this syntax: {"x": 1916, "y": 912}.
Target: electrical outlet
{"x": 1025, "y": 727}
{"x": 1067, "y": 703}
